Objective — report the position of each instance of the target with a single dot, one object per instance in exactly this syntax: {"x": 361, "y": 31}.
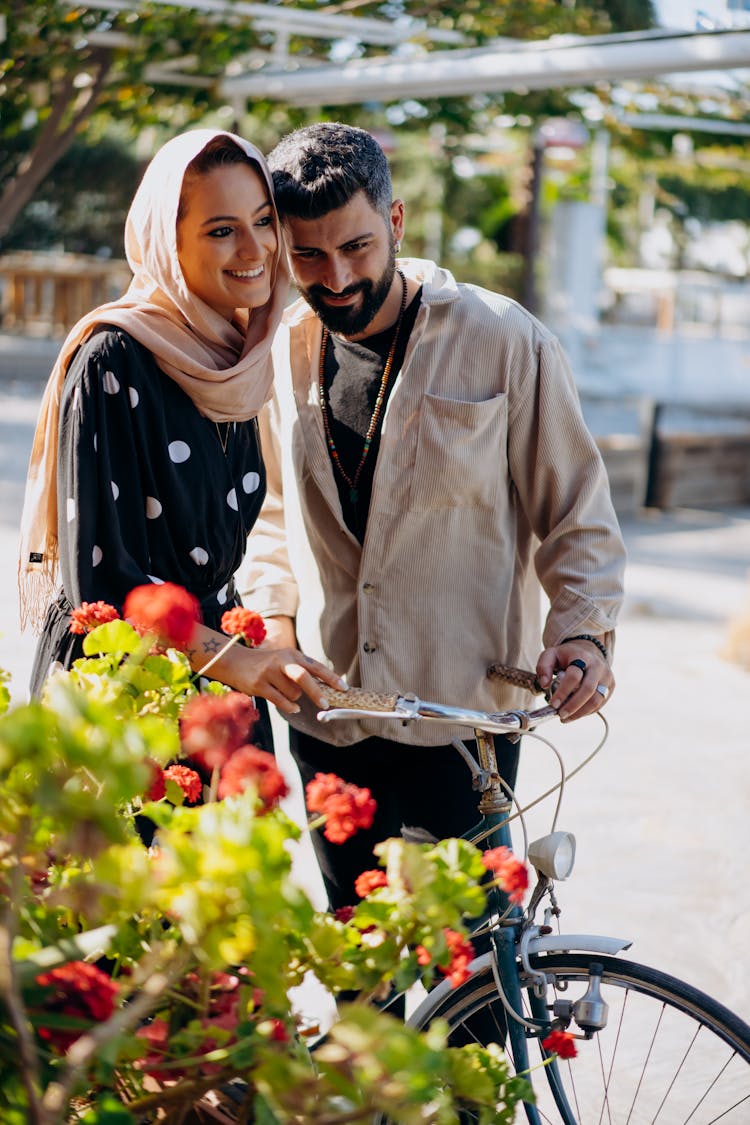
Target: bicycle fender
{"x": 584, "y": 943}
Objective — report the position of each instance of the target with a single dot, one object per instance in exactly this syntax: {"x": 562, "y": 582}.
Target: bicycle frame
{"x": 513, "y": 934}
{"x": 495, "y": 806}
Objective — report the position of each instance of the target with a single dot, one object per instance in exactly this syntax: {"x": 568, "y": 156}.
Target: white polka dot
{"x": 179, "y": 451}
{"x": 232, "y": 499}
{"x": 153, "y": 508}
{"x": 96, "y": 555}
{"x": 115, "y": 490}
{"x": 250, "y": 482}
{"x": 96, "y": 442}
{"x": 110, "y": 383}
{"x": 134, "y": 396}
{"x": 221, "y": 597}
{"x": 199, "y": 556}
{"x": 155, "y": 580}
{"x": 71, "y": 509}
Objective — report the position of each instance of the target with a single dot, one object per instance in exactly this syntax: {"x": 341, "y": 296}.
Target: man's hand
{"x": 585, "y": 679}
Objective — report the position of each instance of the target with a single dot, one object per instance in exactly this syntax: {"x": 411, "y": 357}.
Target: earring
{"x": 398, "y": 246}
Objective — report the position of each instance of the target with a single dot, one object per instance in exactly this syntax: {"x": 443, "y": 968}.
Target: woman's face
{"x": 226, "y": 238}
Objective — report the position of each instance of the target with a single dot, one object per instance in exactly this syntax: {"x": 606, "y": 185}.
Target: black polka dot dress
{"x": 149, "y": 490}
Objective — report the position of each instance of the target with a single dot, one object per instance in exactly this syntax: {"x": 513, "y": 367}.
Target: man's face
{"x": 343, "y": 263}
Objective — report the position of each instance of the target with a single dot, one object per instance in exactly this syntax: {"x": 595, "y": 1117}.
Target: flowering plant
{"x": 151, "y": 929}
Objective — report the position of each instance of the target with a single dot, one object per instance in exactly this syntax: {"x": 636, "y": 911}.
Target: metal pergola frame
{"x": 557, "y": 62}
{"x": 411, "y": 69}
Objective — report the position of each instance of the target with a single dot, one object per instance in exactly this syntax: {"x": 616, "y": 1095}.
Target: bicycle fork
{"x": 590, "y": 1012}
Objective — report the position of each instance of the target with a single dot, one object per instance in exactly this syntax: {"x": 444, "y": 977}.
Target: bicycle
{"x": 650, "y": 1047}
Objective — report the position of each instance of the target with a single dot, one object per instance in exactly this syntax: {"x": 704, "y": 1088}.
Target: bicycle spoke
{"x": 708, "y": 1091}
{"x": 645, "y": 1064}
{"x": 730, "y": 1110}
{"x": 678, "y": 1071}
{"x": 605, "y": 1100}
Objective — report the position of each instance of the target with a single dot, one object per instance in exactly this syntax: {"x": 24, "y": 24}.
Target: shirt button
{"x": 368, "y": 587}
{"x": 368, "y": 647}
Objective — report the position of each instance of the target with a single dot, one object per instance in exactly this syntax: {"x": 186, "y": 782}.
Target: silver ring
{"x": 603, "y": 690}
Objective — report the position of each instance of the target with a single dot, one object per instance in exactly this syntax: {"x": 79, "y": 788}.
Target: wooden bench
{"x": 700, "y": 463}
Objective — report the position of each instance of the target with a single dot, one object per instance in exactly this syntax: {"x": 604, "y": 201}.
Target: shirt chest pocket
{"x": 461, "y": 451}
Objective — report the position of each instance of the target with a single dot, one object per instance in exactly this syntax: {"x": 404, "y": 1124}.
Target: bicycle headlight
{"x": 554, "y": 855}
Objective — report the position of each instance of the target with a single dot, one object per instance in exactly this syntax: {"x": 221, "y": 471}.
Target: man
{"x": 428, "y": 467}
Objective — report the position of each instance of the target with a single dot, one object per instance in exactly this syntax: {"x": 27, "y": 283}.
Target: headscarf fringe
{"x": 36, "y": 587}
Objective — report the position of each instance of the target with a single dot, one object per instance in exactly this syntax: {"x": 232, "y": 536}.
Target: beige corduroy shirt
{"x": 488, "y": 491}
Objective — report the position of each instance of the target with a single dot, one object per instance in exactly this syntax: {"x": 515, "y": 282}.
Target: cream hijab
{"x": 227, "y": 371}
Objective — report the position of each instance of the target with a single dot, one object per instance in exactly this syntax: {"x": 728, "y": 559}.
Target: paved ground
{"x": 661, "y": 814}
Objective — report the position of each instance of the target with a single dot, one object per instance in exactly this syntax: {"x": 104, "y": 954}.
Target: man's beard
{"x": 353, "y": 321}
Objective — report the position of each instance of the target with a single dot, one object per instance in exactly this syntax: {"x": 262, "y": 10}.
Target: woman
{"x": 146, "y": 464}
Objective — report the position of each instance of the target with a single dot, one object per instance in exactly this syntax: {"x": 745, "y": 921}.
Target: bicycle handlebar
{"x": 360, "y": 703}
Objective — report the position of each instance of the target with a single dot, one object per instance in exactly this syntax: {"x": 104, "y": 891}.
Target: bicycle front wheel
{"x": 669, "y": 1053}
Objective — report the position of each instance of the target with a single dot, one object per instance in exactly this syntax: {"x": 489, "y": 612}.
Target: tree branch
{"x": 54, "y": 139}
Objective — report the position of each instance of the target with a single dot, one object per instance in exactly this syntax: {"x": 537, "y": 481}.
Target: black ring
{"x": 578, "y": 664}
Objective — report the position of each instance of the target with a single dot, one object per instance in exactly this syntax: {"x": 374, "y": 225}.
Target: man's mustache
{"x": 321, "y": 291}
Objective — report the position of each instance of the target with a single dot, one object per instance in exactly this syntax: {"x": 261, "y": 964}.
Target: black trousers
{"x": 414, "y": 786}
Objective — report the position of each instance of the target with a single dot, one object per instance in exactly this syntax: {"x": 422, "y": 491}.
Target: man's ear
{"x": 397, "y": 219}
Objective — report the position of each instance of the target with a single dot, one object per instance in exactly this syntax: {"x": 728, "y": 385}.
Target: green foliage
{"x": 81, "y": 75}
{"x": 203, "y": 933}
{"x": 82, "y": 207}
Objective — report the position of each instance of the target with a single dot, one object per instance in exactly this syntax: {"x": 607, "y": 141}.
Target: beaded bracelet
{"x": 593, "y": 641}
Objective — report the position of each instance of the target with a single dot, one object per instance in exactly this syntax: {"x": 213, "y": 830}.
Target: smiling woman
{"x": 146, "y": 466}
{"x": 226, "y": 233}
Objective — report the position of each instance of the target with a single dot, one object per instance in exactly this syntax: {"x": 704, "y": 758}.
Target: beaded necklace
{"x": 353, "y": 481}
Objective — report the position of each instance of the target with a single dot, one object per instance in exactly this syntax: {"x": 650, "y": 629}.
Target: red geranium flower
{"x": 561, "y": 1043}
{"x": 79, "y": 990}
{"x": 167, "y": 610}
{"x": 509, "y": 872}
{"x": 90, "y": 614}
{"x": 346, "y": 807}
{"x": 344, "y": 914}
{"x": 212, "y": 727}
{"x": 279, "y": 1033}
{"x": 251, "y": 766}
{"x": 369, "y": 881}
{"x": 156, "y": 1035}
{"x": 157, "y": 788}
{"x": 322, "y": 786}
{"x": 424, "y": 957}
{"x": 462, "y": 953}
{"x": 188, "y": 781}
{"x": 246, "y": 622}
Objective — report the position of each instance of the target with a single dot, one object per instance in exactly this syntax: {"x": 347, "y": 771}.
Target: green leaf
{"x": 81, "y": 947}
{"x": 112, "y": 637}
{"x": 107, "y": 1110}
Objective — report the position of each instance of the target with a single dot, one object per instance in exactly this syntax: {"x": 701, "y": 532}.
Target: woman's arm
{"x": 280, "y": 675}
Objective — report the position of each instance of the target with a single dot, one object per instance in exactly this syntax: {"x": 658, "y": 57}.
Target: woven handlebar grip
{"x": 360, "y": 699}
{"x": 516, "y": 676}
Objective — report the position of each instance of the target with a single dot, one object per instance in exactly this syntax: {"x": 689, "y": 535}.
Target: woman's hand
{"x": 280, "y": 675}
